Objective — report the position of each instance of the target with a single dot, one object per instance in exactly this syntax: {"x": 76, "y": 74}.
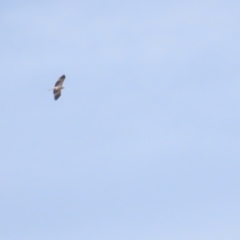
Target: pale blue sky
{"x": 143, "y": 143}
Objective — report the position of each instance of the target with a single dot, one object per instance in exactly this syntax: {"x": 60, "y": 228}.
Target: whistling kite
{"x": 58, "y": 87}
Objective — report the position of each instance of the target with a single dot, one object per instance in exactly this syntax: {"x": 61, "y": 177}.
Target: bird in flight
{"x": 58, "y": 87}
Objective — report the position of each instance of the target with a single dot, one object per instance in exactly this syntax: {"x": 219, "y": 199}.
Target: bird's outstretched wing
{"x": 60, "y": 81}
{"x": 57, "y": 93}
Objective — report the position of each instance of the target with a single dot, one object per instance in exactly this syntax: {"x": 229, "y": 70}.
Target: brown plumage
{"x": 58, "y": 87}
